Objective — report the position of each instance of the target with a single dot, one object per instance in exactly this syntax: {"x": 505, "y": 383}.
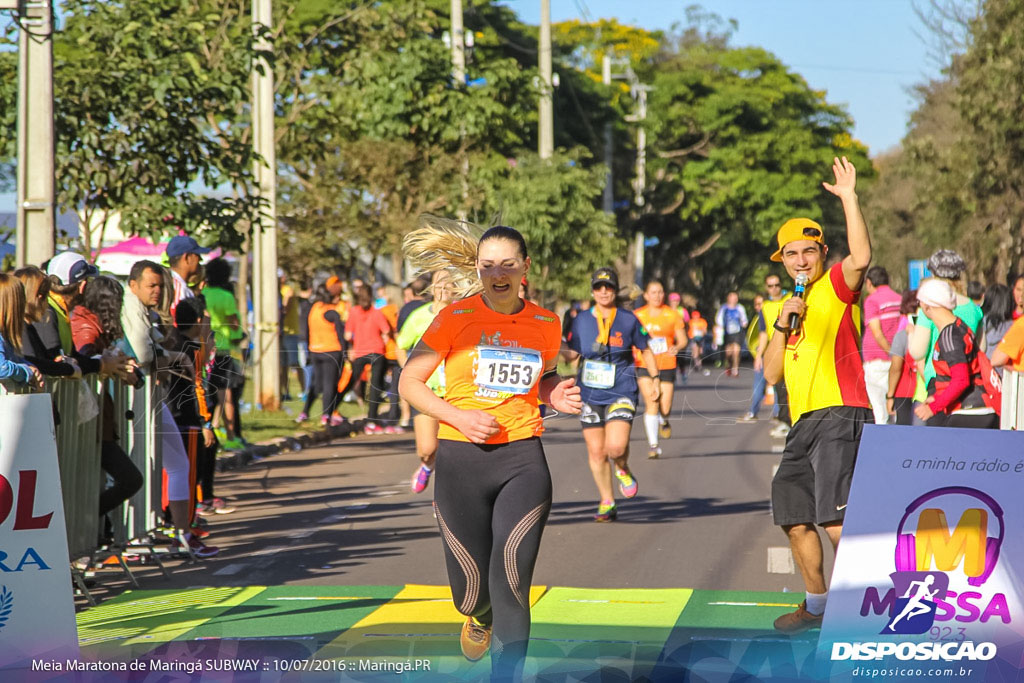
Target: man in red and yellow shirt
{"x": 667, "y": 335}
{"x": 819, "y": 356}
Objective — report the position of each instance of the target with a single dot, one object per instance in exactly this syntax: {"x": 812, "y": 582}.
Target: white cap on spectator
{"x": 70, "y": 268}
{"x": 936, "y": 292}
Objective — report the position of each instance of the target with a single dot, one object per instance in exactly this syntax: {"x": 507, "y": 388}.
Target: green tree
{"x": 741, "y": 143}
{"x": 146, "y": 102}
{"x": 553, "y": 203}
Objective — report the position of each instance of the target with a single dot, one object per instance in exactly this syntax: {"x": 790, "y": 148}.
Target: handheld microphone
{"x": 798, "y": 292}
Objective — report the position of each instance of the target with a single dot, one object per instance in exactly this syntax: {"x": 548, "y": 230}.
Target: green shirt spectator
{"x": 221, "y": 305}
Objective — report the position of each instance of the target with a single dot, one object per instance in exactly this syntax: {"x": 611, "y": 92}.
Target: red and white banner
{"x": 37, "y": 612}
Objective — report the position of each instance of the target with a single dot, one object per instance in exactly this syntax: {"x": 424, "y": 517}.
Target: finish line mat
{"x": 620, "y": 634}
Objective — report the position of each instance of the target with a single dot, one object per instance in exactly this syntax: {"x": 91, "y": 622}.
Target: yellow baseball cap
{"x": 798, "y": 229}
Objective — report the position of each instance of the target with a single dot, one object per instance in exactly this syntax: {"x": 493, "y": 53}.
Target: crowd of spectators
{"x": 177, "y": 325}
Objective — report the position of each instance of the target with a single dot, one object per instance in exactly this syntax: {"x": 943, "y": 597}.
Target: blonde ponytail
{"x": 449, "y": 245}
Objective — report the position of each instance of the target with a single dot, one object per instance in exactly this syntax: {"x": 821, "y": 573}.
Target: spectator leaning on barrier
{"x": 959, "y": 398}
{"x": 186, "y": 396}
{"x": 145, "y": 285}
{"x": 881, "y": 318}
{"x": 96, "y": 330}
{"x": 37, "y": 289}
{"x": 825, "y": 381}
{"x": 13, "y": 368}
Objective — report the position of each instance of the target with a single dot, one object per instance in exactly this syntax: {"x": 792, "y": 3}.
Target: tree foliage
{"x": 956, "y": 182}
{"x": 147, "y": 96}
{"x": 741, "y": 144}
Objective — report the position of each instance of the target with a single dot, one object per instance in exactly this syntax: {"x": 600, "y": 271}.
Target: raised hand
{"x": 846, "y": 178}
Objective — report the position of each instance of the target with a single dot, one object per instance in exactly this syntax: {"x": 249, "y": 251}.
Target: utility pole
{"x": 458, "y": 45}
{"x": 458, "y": 39}
{"x": 37, "y": 199}
{"x": 608, "y": 199}
{"x": 639, "y": 91}
{"x": 265, "y": 289}
{"x": 546, "y": 135}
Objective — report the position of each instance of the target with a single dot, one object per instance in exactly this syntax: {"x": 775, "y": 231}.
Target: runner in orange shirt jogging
{"x": 492, "y": 493}
{"x": 666, "y": 337}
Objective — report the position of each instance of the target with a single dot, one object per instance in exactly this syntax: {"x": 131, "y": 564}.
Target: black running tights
{"x": 492, "y": 503}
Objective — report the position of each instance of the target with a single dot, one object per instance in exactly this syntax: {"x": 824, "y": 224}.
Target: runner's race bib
{"x": 507, "y": 370}
{"x": 598, "y": 375}
{"x": 658, "y": 345}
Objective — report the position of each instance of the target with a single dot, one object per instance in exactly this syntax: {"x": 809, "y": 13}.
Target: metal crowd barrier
{"x": 136, "y": 422}
{"x": 78, "y": 455}
{"x": 79, "y": 409}
{"x": 1012, "y": 416}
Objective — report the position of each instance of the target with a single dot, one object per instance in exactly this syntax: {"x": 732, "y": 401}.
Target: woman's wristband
{"x": 779, "y": 327}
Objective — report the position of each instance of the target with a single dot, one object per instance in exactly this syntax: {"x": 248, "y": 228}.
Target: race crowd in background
{"x": 469, "y": 367}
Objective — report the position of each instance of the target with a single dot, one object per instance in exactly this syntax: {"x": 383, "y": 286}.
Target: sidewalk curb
{"x": 229, "y": 460}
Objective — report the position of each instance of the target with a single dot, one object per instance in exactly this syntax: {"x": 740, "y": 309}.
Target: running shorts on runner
{"x": 812, "y": 483}
{"x": 597, "y": 416}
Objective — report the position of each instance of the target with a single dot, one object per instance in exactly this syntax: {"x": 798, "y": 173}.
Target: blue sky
{"x": 864, "y": 53}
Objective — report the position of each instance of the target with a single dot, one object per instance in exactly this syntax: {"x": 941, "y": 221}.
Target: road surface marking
{"x": 753, "y": 604}
{"x": 230, "y": 569}
{"x": 780, "y": 561}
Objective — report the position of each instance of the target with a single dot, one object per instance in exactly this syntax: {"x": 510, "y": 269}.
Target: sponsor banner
{"x": 37, "y": 613}
{"x": 928, "y": 577}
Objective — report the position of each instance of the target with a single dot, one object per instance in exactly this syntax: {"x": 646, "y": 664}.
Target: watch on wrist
{"x": 779, "y": 327}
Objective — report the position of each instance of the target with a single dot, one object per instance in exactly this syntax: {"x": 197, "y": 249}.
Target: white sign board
{"x": 929, "y": 577}
{"x": 37, "y": 612}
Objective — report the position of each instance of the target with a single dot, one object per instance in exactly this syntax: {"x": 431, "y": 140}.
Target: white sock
{"x": 651, "y": 427}
{"x": 816, "y": 603}
{"x": 662, "y": 420}
{"x": 424, "y": 467}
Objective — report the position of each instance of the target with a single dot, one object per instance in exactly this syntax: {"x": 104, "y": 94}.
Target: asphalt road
{"x": 343, "y": 514}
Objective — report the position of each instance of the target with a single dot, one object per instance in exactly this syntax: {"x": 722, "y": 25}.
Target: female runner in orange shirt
{"x": 667, "y": 335}
{"x": 492, "y": 492}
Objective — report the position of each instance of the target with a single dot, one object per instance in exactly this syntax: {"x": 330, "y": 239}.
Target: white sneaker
{"x": 749, "y": 417}
{"x": 781, "y": 431}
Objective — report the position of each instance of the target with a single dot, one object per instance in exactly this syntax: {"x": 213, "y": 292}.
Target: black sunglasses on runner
{"x": 812, "y": 232}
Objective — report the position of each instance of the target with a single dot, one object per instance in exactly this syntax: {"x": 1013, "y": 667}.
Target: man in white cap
{"x": 959, "y": 397}
{"x": 947, "y": 265}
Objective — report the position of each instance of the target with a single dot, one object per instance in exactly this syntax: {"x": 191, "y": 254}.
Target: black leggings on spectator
{"x": 326, "y": 374}
{"x": 904, "y": 408}
{"x": 206, "y": 465}
{"x": 127, "y": 478}
{"x": 375, "y": 394}
{"x": 492, "y": 502}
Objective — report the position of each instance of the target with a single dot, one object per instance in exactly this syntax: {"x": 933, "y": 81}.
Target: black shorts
{"x": 734, "y": 338}
{"x": 813, "y": 480}
{"x": 226, "y": 373}
{"x": 597, "y": 416}
{"x": 668, "y": 375}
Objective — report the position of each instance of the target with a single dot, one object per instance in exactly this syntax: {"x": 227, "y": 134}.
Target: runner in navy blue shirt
{"x": 604, "y": 337}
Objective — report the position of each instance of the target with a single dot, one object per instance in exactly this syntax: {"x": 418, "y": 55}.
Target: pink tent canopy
{"x": 119, "y": 258}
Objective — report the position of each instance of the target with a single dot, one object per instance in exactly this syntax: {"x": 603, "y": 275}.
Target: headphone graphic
{"x": 906, "y": 544}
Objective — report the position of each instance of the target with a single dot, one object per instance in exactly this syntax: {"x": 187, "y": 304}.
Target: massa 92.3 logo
{"x": 928, "y": 552}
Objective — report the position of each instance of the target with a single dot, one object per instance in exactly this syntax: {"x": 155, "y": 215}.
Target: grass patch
{"x": 262, "y": 425}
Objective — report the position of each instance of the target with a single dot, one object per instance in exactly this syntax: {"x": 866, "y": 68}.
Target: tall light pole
{"x": 37, "y": 199}
{"x": 546, "y": 134}
{"x": 608, "y": 199}
{"x": 458, "y": 45}
{"x": 265, "y": 289}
